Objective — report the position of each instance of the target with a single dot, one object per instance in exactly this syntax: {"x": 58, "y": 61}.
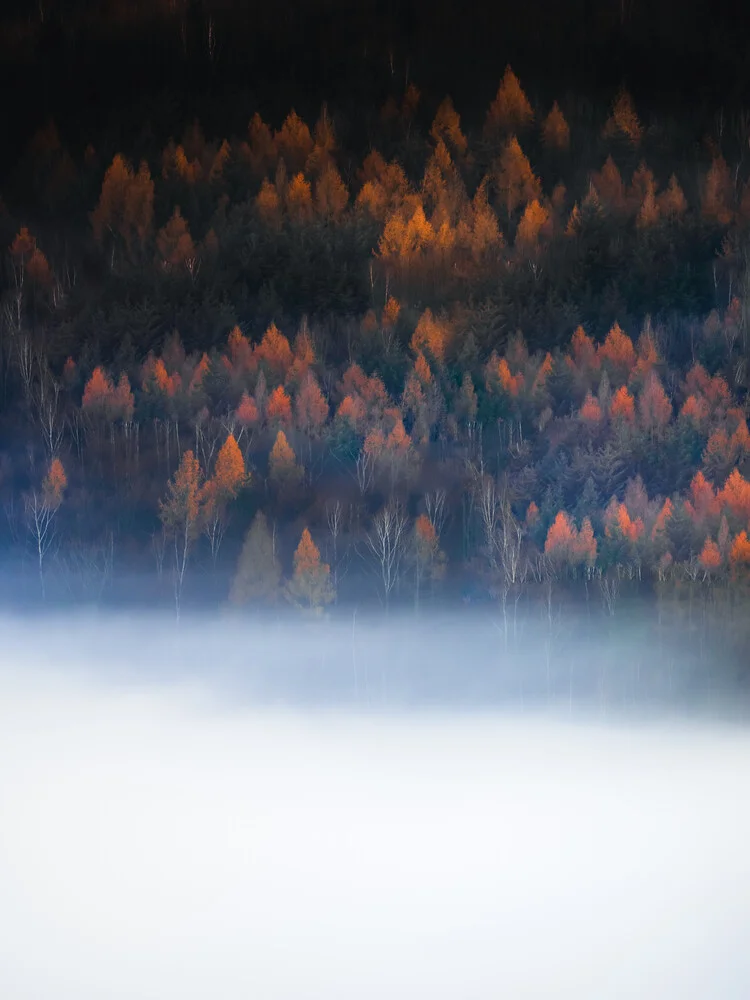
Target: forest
{"x": 498, "y": 358}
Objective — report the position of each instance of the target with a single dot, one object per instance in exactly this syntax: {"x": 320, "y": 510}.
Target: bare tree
{"x": 386, "y": 541}
{"x": 436, "y": 510}
{"x": 334, "y": 516}
{"x": 365, "y": 469}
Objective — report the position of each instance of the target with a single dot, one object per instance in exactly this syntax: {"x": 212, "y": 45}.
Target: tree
{"x": 284, "y": 472}
{"x": 181, "y": 513}
{"x": 515, "y": 179}
{"x": 175, "y": 245}
{"x": 386, "y": 541}
{"x": 258, "y": 574}
{"x": 228, "y": 479}
{"x": 427, "y": 557}
{"x": 126, "y": 207}
{"x": 41, "y": 512}
{"x": 311, "y": 407}
{"x": 555, "y": 130}
{"x": 623, "y": 121}
{"x": 510, "y": 110}
{"x": 311, "y": 584}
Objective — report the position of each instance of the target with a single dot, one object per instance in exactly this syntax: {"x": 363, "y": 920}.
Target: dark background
{"x": 115, "y": 67}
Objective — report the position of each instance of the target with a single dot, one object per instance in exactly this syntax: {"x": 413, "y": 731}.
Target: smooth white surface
{"x": 157, "y": 846}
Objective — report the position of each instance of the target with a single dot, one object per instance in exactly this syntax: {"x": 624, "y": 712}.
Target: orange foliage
{"x": 274, "y": 352}
{"x": 654, "y": 407}
{"x": 591, "y": 411}
{"x": 695, "y": 410}
{"x": 533, "y": 221}
{"x": 199, "y": 373}
{"x": 710, "y": 556}
{"x": 618, "y": 353}
{"x": 584, "y": 352}
{"x": 279, "y": 408}
{"x": 98, "y": 393}
{"x": 352, "y": 409}
{"x": 622, "y": 407}
{"x": 515, "y": 179}
{"x": 510, "y": 110}
{"x": 703, "y": 502}
{"x": 618, "y": 523}
{"x": 431, "y": 335}
{"x": 229, "y": 473}
{"x": 311, "y": 407}
{"x": 532, "y": 515}
{"x": 54, "y": 484}
{"x": 564, "y": 543}
{"x": 739, "y": 554}
{"x": 624, "y": 121}
{"x": 736, "y": 495}
{"x": 180, "y": 511}
{"x": 247, "y": 412}
{"x": 555, "y": 130}
{"x": 664, "y": 515}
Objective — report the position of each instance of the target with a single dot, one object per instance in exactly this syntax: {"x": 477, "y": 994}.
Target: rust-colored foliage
{"x": 199, "y": 373}
{"x": 311, "y": 407}
{"x": 54, "y": 485}
{"x": 710, "y": 556}
{"x": 555, "y": 130}
{"x": 566, "y": 545}
{"x": 299, "y": 203}
{"x": 311, "y": 581}
{"x": 718, "y": 193}
{"x": 609, "y": 186}
{"x": 619, "y": 524}
{"x": 672, "y": 202}
{"x": 532, "y": 515}
{"x": 514, "y": 177}
{"x": 174, "y": 243}
{"x": 660, "y": 524}
{"x": 654, "y": 407}
{"x": 229, "y": 472}
{"x": 617, "y": 354}
{"x": 294, "y": 142}
{"x": 352, "y": 410}
{"x": 241, "y": 356}
{"x": 736, "y": 495}
{"x": 432, "y": 335}
{"x": 591, "y": 411}
{"x": 282, "y": 463}
{"x": 534, "y": 220}
{"x": 180, "y": 511}
{"x": 623, "y": 120}
{"x": 585, "y": 357}
{"x": 695, "y": 411}
{"x": 331, "y": 195}
{"x": 269, "y": 206}
{"x": 97, "y": 395}
{"x": 126, "y": 205}
{"x": 279, "y": 408}
{"x": 274, "y": 353}
{"x": 739, "y": 554}
{"x": 446, "y": 126}
{"x": 703, "y": 502}
{"x": 622, "y": 407}
{"x": 510, "y": 110}
{"x": 247, "y": 413}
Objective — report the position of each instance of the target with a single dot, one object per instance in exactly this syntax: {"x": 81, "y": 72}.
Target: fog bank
{"x": 157, "y": 842}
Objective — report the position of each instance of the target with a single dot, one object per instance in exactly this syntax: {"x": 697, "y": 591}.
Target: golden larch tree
{"x": 555, "y": 130}
{"x": 510, "y": 111}
{"x": 310, "y": 586}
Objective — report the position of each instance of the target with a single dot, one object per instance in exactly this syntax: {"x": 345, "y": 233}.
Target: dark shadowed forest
{"x": 328, "y": 305}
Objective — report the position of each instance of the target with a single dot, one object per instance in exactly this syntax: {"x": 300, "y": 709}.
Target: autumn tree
{"x": 175, "y": 245}
{"x": 41, "y": 507}
{"x": 125, "y": 211}
{"x": 427, "y": 558}
{"x": 181, "y": 514}
{"x": 510, "y": 111}
{"x": 555, "y": 130}
{"x": 258, "y": 574}
{"x": 514, "y": 178}
{"x": 228, "y": 479}
{"x": 310, "y": 585}
{"x": 283, "y": 471}
{"x": 623, "y": 121}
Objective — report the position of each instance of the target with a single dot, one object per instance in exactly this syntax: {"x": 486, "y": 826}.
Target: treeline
{"x": 492, "y": 360}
